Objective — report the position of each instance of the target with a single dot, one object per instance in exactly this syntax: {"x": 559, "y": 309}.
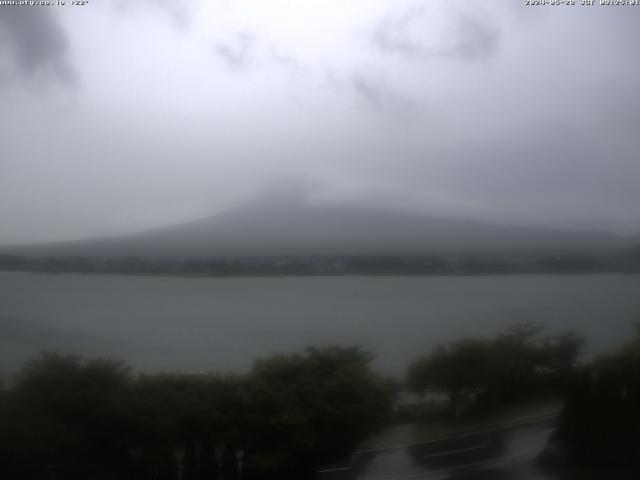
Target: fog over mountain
{"x": 285, "y": 224}
{"x": 122, "y": 116}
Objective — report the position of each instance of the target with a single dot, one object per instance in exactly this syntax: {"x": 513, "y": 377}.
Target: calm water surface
{"x": 219, "y": 324}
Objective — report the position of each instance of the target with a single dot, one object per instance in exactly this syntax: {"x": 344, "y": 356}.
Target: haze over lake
{"x": 196, "y": 324}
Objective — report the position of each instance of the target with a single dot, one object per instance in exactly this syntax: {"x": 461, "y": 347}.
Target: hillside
{"x": 280, "y": 227}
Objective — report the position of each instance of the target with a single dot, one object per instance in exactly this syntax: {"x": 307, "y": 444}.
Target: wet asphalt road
{"x": 501, "y": 453}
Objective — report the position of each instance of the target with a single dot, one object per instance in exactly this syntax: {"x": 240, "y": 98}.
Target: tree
{"x": 514, "y": 365}
{"x": 530, "y": 363}
{"x": 186, "y": 414}
{"x": 458, "y": 369}
{"x": 600, "y": 421}
{"x": 310, "y": 407}
{"x": 70, "y": 416}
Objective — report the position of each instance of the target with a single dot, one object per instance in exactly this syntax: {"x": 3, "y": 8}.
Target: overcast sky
{"x": 123, "y": 115}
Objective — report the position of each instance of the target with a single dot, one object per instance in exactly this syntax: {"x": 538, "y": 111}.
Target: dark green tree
{"x": 69, "y": 417}
{"x": 600, "y": 422}
{"x": 311, "y": 407}
{"x": 515, "y": 365}
{"x": 459, "y": 369}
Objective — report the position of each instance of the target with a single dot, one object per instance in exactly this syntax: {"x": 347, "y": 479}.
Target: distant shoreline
{"x": 325, "y": 266}
{"x": 266, "y": 271}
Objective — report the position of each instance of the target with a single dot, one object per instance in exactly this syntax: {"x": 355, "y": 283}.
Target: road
{"x": 495, "y": 453}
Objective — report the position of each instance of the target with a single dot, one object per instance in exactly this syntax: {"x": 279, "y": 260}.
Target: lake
{"x": 222, "y": 324}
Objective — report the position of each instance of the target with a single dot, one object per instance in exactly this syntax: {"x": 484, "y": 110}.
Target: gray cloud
{"x": 238, "y": 52}
{"x": 473, "y": 39}
{"x": 35, "y": 44}
{"x": 179, "y": 11}
{"x": 433, "y": 106}
{"x": 391, "y": 32}
{"x": 468, "y": 36}
{"x": 385, "y": 101}
{"x": 284, "y": 59}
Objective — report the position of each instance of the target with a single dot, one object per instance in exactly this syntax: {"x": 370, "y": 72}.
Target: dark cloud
{"x": 35, "y": 44}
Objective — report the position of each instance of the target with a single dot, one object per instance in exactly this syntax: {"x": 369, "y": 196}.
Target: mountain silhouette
{"x": 279, "y": 225}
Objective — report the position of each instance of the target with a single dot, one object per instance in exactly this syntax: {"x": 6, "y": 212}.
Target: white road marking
{"x": 458, "y": 450}
{"x": 337, "y": 469}
{"x": 505, "y": 426}
{"x": 491, "y": 463}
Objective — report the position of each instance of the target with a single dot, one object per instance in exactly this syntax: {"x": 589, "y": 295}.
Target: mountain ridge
{"x": 283, "y": 227}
